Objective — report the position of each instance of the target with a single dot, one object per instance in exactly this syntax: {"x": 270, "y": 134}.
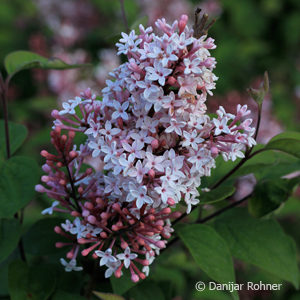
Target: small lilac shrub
{"x": 148, "y": 143}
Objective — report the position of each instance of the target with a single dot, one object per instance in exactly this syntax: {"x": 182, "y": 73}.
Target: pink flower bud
{"x": 145, "y": 262}
{"x": 75, "y": 213}
{"x": 57, "y": 229}
{"x": 62, "y": 182}
{"x": 124, "y": 245}
{"x": 92, "y": 219}
{"x": 171, "y": 80}
{"x": 214, "y": 151}
{"x": 114, "y": 228}
{"x": 85, "y": 213}
{"x": 154, "y": 144}
{"x": 71, "y": 134}
{"x": 73, "y": 154}
{"x": 103, "y": 235}
{"x": 59, "y": 245}
{"x": 135, "y": 278}
{"x": 151, "y": 173}
{"x": 160, "y": 244}
{"x": 39, "y": 188}
{"x": 44, "y": 153}
{"x": 170, "y": 201}
{"x": 118, "y": 273}
{"x": 182, "y": 23}
{"x": 45, "y": 178}
{"x": 88, "y": 205}
{"x": 176, "y": 214}
{"x": 46, "y": 168}
{"x": 55, "y": 114}
{"x": 142, "y": 276}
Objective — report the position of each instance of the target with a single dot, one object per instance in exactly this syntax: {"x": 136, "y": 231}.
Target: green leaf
{"x": 18, "y": 176}
{"x": 286, "y": 135}
{"x": 123, "y": 284}
{"x": 10, "y": 231}
{"x": 258, "y": 95}
{"x": 18, "y": 280}
{"x": 35, "y": 283}
{"x": 208, "y": 294}
{"x": 290, "y": 208}
{"x": 21, "y": 60}
{"x": 288, "y": 145}
{"x": 43, "y": 232}
{"x": 210, "y": 252}
{"x": 107, "y": 296}
{"x": 4, "y": 271}
{"x": 146, "y": 291}
{"x": 171, "y": 275}
{"x": 216, "y": 195}
{"x": 269, "y": 164}
{"x": 270, "y": 194}
{"x": 222, "y": 168}
{"x": 62, "y": 295}
{"x": 17, "y": 134}
{"x": 259, "y": 242}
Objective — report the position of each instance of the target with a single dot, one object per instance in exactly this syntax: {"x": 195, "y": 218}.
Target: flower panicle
{"x": 148, "y": 142}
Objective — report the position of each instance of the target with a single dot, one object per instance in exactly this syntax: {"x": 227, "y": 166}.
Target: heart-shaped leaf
{"x": 270, "y": 194}
{"x": 17, "y": 134}
{"x": 10, "y": 231}
{"x": 18, "y": 176}
{"x": 288, "y": 145}
{"x": 43, "y": 232}
{"x": 210, "y": 252}
{"x": 22, "y": 60}
{"x": 262, "y": 243}
{"x": 35, "y": 283}
{"x": 216, "y": 195}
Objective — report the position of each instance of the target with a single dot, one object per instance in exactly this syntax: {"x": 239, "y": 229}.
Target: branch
{"x": 200, "y": 26}
{"x": 73, "y": 191}
{"x": 3, "y": 94}
{"x": 124, "y": 15}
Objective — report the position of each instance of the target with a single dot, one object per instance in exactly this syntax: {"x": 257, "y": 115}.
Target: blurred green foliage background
{"x": 252, "y": 36}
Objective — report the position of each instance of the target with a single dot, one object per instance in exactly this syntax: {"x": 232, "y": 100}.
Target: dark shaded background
{"x": 252, "y": 36}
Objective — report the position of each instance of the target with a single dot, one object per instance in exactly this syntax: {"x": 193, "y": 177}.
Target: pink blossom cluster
{"x": 148, "y": 143}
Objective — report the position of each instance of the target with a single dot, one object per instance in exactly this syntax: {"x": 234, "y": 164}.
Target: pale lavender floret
{"x": 49, "y": 210}
{"x": 71, "y": 265}
{"x": 127, "y": 256}
{"x": 106, "y": 257}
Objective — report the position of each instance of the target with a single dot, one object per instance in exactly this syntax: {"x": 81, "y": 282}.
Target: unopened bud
{"x": 182, "y": 23}
{"x": 92, "y": 219}
{"x": 39, "y": 188}
{"x": 154, "y": 144}
{"x": 171, "y": 202}
{"x": 135, "y": 278}
{"x": 151, "y": 173}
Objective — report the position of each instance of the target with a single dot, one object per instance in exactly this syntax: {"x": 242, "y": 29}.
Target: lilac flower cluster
{"x": 148, "y": 142}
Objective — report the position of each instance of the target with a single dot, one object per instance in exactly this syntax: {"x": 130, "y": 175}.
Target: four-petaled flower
{"x": 139, "y": 194}
{"x": 127, "y": 257}
{"x": 120, "y": 110}
{"x": 106, "y": 257}
{"x": 221, "y": 126}
{"x": 108, "y": 131}
{"x": 71, "y": 265}
{"x": 158, "y": 72}
{"x": 49, "y": 210}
